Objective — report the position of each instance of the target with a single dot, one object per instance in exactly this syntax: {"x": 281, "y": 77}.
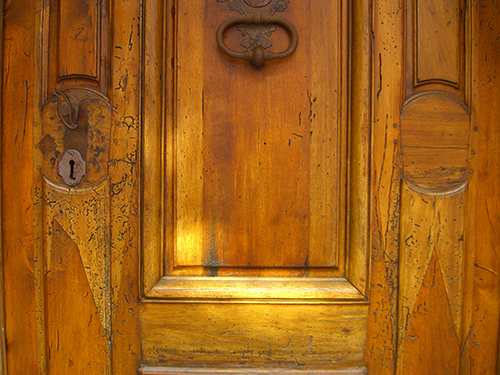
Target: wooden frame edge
{"x": 360, "y": 145}
{"x": 179, "y": 371}
{"x": 258, "y": 289}
{"x": 3, "y": 344}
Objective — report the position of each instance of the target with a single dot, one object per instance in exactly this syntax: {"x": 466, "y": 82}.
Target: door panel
{"x": 330, "y": 212}
{"x": 252, "y": 162}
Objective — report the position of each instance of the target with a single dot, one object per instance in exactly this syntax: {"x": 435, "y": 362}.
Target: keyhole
{"x": 72, "y": 170}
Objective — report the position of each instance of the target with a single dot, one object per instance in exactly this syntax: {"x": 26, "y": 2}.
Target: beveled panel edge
{"x": 356, "y": 246}
{"x": 428, "y": 94}
{"x": 178, "y": 371}
{"x": 436, "y": 193}
{"x": 360, "y": 123}
{"x": 153, "y": 110}
{"x": 412, "y": 85}
{"x": 50, "y": 53}
{"x": 256, "y": 289}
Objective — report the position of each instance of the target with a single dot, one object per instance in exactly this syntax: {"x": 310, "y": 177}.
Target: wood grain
{"x": 84, "y": 215}
{"x": 439, "y": 37}
{"x": 250, "y": 336}
{"x": 125, "y": 97}
{"x": 261, "y": 289}
{"x": 78, "y": 36}
{"x": 17, "y": 208}
{"x": 484, "y": 328}
{"x": 435, "y": 139}
{"x": 239, "y": 147}
{"x": 430, "y": 343}
{"x": 432, "y": 248}
{"x": 71, "y": 312}
{"x": 385, "y": 175}
{"x": 386, "y": 101}
{"x": 3, "y": 344}
{"x": 179, "y": 371}
{"x": 74, "y": 37}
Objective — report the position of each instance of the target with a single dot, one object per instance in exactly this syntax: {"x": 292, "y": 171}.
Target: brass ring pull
{"x": 257, "y": 55}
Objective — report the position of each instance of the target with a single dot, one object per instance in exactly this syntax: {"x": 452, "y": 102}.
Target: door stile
{"x": 385, "y": 184}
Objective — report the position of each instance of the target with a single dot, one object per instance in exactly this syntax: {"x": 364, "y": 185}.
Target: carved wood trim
{"x": 75, "y": 54}
{"x": 425, "y": 16}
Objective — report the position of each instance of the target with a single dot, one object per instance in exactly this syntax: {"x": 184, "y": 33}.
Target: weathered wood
{"x": 3, "y": 344}
{"x": 17, "y": 204}
{"x": 253, "y": 335}
{"x": 483, "y": 331}
{"x": 298, "y": 153}
{"x": 179, "y": 371}
{"x": 76, "y": 338}
{"x": 431, "y": 285}
{"x": 385, "y": 177}
{"x": 377, "y": 136}
{"x": 125, "y": 96}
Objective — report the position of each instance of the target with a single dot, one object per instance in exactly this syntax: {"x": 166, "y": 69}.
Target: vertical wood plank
{"x": 328, "y": 149}
{"x": 385, "y": 184}
{"x": 3, "y": 345}
{"x": 431, "y": 281}
{"x": 189, "y": 124}
{"x": 155, "y": 136}
{"x": 125, "y": 96}
{"x": 76, "y": 339}
{"x": 484, "y": 329}
{"x": 359, "y": 146}
{"x": 17, "y": 210}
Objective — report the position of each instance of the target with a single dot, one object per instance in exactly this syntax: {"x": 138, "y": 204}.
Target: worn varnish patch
{"x": 430, "y": 343}
{"x": 76, "y": 343}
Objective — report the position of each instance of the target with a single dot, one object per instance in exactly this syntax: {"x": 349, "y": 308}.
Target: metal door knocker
{"x": 255, "y": 27}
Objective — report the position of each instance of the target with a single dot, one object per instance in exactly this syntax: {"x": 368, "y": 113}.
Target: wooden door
{"x": 177, "y": 199}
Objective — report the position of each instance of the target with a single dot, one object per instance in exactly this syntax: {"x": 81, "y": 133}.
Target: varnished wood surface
{"x": 3, "y": 347}
{"x": 179, "y": 371}
{"x": 256, "y": 288}
{"x": 415, "y": 150}
{"x": 253, "y": 335}
{"x": 385, "y": 182}
{"x": 19, "y": 260}
{"x": 484, "y": 325}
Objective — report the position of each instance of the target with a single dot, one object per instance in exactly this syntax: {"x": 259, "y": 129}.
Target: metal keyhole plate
{"x": 72, "y": 168}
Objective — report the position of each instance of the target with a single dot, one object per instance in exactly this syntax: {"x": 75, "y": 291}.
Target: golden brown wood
{"x": 435, "y": 139}
{"x": 436, "y": 44}
{"x": 179, "y": 371}
{"x": 253, "y": 335}
{"x": 75, "y": 45}
{"x": 437, "y": 34}
{"x": 76, "y": 338}
{"x": 3, "y": 345}
{"x": 431, "y": 298}
{"x": 483, "y": 334}
{"x": 17, "y": 204}
{"x": 377, "y": 136}
{"x": 200, "y": 140}
{"x": 380, "y": 354}
{"x": 359, "y": 147}
{"x": 430, "y": 343}
{"x": 125, "y": 96}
